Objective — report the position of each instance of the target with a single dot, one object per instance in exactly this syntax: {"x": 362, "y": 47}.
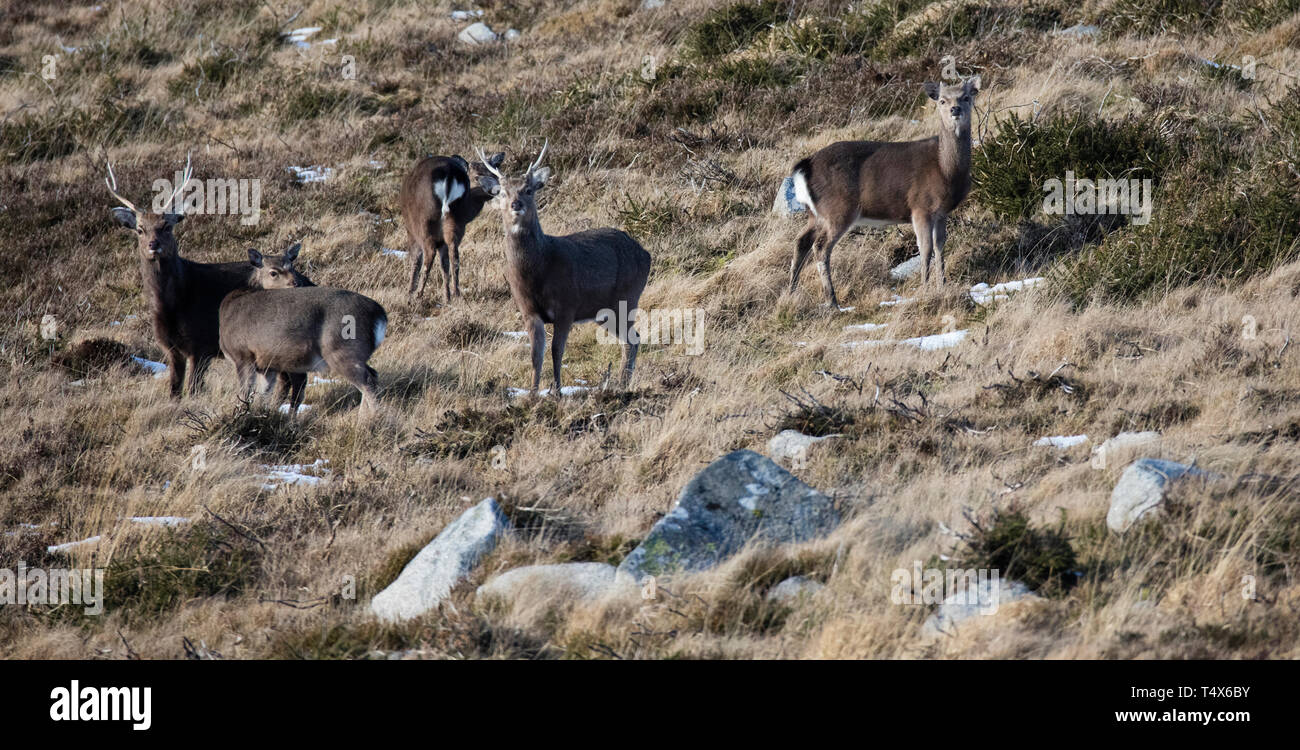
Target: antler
{"x": 185, "y": 180}
{"x": 111, "y": 182}
{"x": 483, "y": 158}
{"x": 538, "y": 163}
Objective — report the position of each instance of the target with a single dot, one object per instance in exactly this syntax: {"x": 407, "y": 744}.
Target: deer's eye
{"x": 274, "y": 274}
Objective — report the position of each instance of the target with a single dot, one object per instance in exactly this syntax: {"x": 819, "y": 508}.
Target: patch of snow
{"x": 938, "y": 340}
{"x": 983, "y": 294}
{"x": 1061, "y": 442}
{"x": 302, "y": 408}
{"x": 465, "y": 15}
{"x": 866, "y": 326}
{"x": 517, "y": 335}
{"x": 896, "y": 300}
{"x": 314, "y": 173}
{"x": 157, "y": 368}
{"x": 568, "y": 390}
{"x": 374, "y": 164}
{"x": 160, "y": 520}
{"x": 284, "y": 475}
{"x": 299, "y": 37}
{"x": 392, "y": 252}
{"x": 71, "y": 545}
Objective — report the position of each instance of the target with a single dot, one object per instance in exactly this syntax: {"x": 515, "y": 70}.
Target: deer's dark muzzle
{"x": 956, "y": 111}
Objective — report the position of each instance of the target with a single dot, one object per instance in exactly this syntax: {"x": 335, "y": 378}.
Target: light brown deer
{"x": 302, "y": 330}
{"x": 184, "y": 296}
{"x": 564, "y": 280}
{"x": 438, "y": 202}
{"x": 874, "y": 183}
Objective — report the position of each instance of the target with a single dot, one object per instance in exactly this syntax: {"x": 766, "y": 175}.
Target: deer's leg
{"x": 446, "y": 270}
{"x": 198, "y": 368}
{"x": 629, "y": 361}
{"x": 559, "y": 337}
{"x": 802, "y": 247}
{"x": 922, "y": 225}
{"x": 176, "y": 363}
{"x": 283, "y": 386}
{"x": 247, "y": 375}
{"x": 416, "y": 254}
{"x": 297, "y": 387}
{"x": 452, "y": 233}
{"x": 537, "y": 339}
{"x": 360, "y": 375}
{"x": 938, "y": 236}
{"x": 825, "y": 242}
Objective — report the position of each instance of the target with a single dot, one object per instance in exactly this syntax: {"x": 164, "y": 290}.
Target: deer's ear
{"x": 495, "y": 160}
{"x": 973, "y": 85}
{"x": 490, "y": 184}
{"x": 292, "y": 253}
{"x": 254, "y": 257}
{"x": 173, "y": 219}
{"x": 125, "y": 217}
{"x": 537, "y": 179}
{"x": 461, "y": 161}
{"x": 931, "y": 90}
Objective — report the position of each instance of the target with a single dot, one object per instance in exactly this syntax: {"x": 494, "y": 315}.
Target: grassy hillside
{"x": 676, "y": 124}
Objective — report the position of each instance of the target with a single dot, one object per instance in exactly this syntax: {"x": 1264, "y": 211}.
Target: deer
{"x": 185, "y": 296}
{"x": 438, "y": 203}
{"x": 875, "y": 184}
{"x": 562, "y": 280}
{"x": 290, "y": 332}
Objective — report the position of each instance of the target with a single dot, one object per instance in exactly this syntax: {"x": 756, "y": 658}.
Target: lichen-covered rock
{"x": 429, "y": 577}
{"x": 739, "y": 498}
{"x": 1141, "y": 489}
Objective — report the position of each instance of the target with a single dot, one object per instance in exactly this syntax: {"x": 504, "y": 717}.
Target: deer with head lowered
{"x": 874, "y": 183}
{"x": 185, "y": 296}
{"x": 291, "y": 332}
{"x": 438, "y": 202}
{"x": 567, "y": 279}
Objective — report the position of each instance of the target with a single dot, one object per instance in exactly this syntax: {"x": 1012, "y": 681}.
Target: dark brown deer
{"x": 291, "y": 332}
{"x": 185, "y": 296}
{"x": 874, "y": 183}
{"x": 564, "y": 280}
{"x": 438, "y": 202}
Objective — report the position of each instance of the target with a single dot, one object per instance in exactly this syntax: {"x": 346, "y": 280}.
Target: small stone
{"x": 907, "y": 269}
{"x": 786, "y": 204}
{"x": 794, "y": 588}
{"x": 580, "y": 581}
{"x": 477, "y": 33}
{"x": 792, "y": 447}
{"x": 987, "y": 596}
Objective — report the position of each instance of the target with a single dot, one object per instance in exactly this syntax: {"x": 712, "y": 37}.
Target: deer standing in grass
{"x": 874, "y": 183}
{"x": 185, "y": 296}
{"x": 291, "y": 332}
{"x": 564, "y": 280}
{"x": 438, "y": 202}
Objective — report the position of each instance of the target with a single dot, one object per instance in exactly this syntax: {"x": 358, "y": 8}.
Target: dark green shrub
{"x": 1006, "y": 541}
{"x": 177, "y": 567}
{"x": 731, "y": 28}
{"x": 1009, "y": 170}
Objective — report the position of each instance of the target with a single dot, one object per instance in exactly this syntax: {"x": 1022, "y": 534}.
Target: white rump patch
{"x": 381, "y": 326}
{"x": 448, "y": 191}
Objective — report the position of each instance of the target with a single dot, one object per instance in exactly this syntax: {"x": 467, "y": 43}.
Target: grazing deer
{"x": 438, "y": 202}
{"x": 564, "y": 280}
{"x": 291, "y": 332}
{"x": 874, "y": 183}
{"x": 185, "y": 296}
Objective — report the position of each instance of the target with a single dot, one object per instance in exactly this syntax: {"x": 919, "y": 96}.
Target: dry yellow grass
{"x": 85, "y": 450}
